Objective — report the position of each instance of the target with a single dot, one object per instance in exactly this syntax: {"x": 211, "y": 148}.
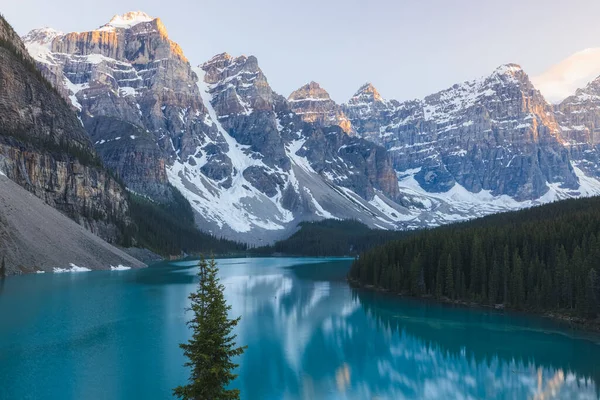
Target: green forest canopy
{"x": 544, "y": 258}
{"x": 331, "y": 237}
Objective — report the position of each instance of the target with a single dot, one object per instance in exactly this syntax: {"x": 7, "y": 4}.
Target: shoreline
{"x": 579, "y": 324}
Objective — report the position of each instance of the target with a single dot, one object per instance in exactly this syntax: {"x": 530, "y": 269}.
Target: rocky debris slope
{"x": 44, "y": 148}
{"x": 36, "y": 237}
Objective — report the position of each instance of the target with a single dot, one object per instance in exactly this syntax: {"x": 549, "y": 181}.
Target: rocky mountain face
{"x": 368, "y": 110}
{"x": 314, "y": 105}
{"x": 44, "y": 148}
{"x": 495, "y": 134}
{"x": 253, "y": 164}
{"x": 133, "y": 88}
{"x": 579, "y": 118}
{"x": 235, "y": 148}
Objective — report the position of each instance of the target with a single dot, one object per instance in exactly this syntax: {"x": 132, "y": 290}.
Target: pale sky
{"x": 406, "y": 48}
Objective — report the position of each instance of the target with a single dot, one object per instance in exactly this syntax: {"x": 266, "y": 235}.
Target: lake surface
{"x": 115, "y": 335}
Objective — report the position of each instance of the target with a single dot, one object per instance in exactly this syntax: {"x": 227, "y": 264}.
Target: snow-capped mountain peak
{"x": 127, "y": 20}
{"x": 310, "y": 92}
{"x": 42, "y": 35}
{"x": 39, "y": 43}
{"x": 508, "y": 69}
{"x": 366, "y": 92}
{"x": 253, "y": 164}
{"x": 314, "y": 104}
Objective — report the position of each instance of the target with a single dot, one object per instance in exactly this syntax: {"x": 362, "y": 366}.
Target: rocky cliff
{"x": 133, "y": 76}
{"x": 235, "y": 148}
{"x": 495, "y": 134}
{"x": 44, "y": 148}
{"x": 579, "y": 118}
{"x": 252, "y": 163}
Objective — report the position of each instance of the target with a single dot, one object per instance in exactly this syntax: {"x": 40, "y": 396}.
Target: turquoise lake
{"x": 115, "y": 335}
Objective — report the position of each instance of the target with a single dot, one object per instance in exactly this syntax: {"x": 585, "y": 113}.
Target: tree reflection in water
{"x": 312, "y": 337}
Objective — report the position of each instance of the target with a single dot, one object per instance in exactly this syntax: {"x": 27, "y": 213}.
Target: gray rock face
{"x": 369, "y": 111}
{"x": 256, "y": 116}
{"x": 496, "y": 134}
{"x": 131, "y": 72}
{"x": 44, "y": 148}
{"x": 314, "y": 105}
{"x": 253, "y": 164}
{"x": 579, "y": 118}
{"x": 228, "y": 142}
{"x": 246, "y": 105}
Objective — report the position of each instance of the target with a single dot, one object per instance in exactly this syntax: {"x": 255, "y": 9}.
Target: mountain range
{"x": 253, "y": 163}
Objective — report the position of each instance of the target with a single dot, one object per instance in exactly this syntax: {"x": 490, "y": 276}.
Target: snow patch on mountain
{"x": 126, "y": 21}
{"x": 38, "y": 43}
{"x": 231, "y": 206}
{"x": 459, "y": 204}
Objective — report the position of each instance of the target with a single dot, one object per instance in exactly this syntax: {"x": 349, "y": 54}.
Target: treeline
{"x": 546, "y": 258}
{"x": 58, "y": 147}
{"x": 331, "y": 237}
{"x": 169, "y": 229}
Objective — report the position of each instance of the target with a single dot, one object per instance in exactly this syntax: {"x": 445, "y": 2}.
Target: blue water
{"x": 115, "y": 335}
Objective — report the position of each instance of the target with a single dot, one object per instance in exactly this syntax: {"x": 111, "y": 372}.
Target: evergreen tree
{"x": 505, "y": 275}
{"x": 212, "y": 347}
{"x": 416, "y": 275}
{"x": 494, "y": 282}
{"x": 477, "y": 257}
{"x": 449, "y": 278}
{"x": 591, "y": 302}
{"x": 518, "y": 282}
{"x": 439, "y": 288}
{"x": 561, "y": 291}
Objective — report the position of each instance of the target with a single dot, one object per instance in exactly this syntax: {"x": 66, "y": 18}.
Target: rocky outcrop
{"x": 496, "y": 134}
{"x": 369, "y": 111}
{"x": 314, "y": 105}
{"x": 131, "y": 72}
{"x": 44, "y": 148}
{"x": 251, "y": 112}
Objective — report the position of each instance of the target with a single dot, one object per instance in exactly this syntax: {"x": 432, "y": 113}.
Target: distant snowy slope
{"x": 563, "y": 79}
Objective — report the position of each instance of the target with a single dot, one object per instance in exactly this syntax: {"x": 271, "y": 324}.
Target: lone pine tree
{"x": 212, "y": 347}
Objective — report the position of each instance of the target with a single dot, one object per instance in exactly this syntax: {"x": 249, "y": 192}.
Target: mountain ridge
{"x": 243, "y": 144}
{"x": 481, "y": 146}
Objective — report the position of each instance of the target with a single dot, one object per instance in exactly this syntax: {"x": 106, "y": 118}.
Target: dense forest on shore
{"x": 330, "y": 237}
{"x": 169, "y": 229}
{"x": 546, "y": 258}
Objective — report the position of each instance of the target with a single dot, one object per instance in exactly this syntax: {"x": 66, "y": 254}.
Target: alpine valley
{"x": 253, "y": 164}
